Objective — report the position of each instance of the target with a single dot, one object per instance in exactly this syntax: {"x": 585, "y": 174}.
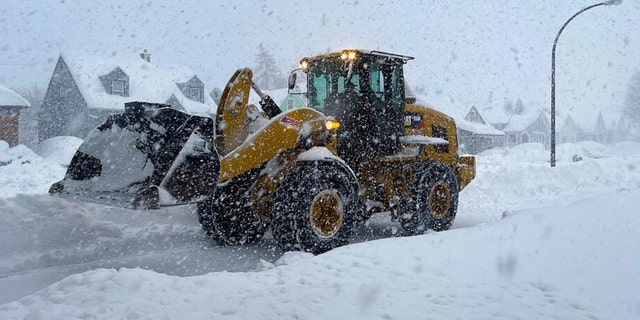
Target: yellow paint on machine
{"x": 231, "y": 117}
{"x": 279, "y": 135}
{"x": 464, "y": 167}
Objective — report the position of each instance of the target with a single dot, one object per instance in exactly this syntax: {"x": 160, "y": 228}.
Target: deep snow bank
{"x": 58, "y": 150}
{"x": 546, "y": 263}
{"x": 510, "y": 179}
{"x": 529, "y": 242}
{"x": 23, "y": 171}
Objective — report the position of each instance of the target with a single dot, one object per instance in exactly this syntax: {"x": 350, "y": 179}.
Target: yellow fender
{"x": 280, "y": 134}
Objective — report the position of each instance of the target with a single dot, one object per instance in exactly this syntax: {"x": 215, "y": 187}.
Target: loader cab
{"x": 365, "y": 92}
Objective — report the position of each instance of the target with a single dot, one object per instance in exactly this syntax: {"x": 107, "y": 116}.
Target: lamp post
{"x": 553, "y": 74}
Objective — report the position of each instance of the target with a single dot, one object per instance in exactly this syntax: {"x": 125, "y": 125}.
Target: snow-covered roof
{"x": 461, "y": 123}
{"x": 520, "y": 122}
{"x": 9, "y": 97}
{"x": 566, "y": 121}
{"x": 478, "y": 128}
{"x": 147, "y": 82}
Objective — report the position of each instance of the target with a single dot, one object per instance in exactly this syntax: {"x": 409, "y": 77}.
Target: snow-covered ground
{"x": 529, "y": 242}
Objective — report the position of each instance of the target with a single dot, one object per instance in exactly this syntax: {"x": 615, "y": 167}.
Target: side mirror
{"x": 297, "y": 82}
{"x": 292, "y": 80}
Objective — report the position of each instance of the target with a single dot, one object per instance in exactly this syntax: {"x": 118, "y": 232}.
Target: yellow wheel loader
{"x": 310, "y": 175}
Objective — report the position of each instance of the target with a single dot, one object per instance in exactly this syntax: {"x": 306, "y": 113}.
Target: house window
{"x": 62, "y": 92}
{"x": 117, "y": 87}
{"x": 194, "y": 93}
{"x": 289, "y": 104}
{"x": 539, "y": 137}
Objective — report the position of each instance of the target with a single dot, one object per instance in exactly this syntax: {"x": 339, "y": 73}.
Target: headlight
{"x": 304, "y": 65}
{"x": 348, "y": 55}
{"x": 331, "y": 124}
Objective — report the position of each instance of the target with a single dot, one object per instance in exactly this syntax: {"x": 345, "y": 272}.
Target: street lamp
{"x": 553, "y": 74}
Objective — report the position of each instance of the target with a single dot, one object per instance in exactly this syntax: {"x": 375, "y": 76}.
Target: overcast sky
{"x": 468, "y": 52}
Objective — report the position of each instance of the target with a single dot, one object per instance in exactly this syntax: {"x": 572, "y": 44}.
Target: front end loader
{"x": 150, "y": 155}
{"x": 311, "y": 175}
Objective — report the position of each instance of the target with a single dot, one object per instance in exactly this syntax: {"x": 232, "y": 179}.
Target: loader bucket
{"x": 150, "y": 156}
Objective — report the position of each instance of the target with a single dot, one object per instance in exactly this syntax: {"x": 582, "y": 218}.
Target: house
{"x": 573, "y": 128}
{"x": 475, "y": 135}
{"x": 11, "y": 104}
{"x": 528, "y": 127}
{"x": 216, "y": 94}
{"x": 293, "y": 101}
{"x": 84, "y": 90}
{"x": 282, "y": 97}
{"x": 570, "y": 131}
{"x": 296, "y": 97}
{"x": 621, "y": 131}
{"x": 600, "y": 132}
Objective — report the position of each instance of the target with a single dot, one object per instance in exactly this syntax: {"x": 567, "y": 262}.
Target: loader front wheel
{"x": 434, "y": 200}
{"x": 229, "y": 220}
{"x": 315, "y": 208}
{"x": 205, "y": 213}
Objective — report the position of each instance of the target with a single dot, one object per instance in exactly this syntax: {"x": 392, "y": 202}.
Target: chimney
{"x": 145, "y": 56}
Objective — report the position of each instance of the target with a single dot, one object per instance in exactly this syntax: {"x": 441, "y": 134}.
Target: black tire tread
{"x": 290, "y": 207}
{"x": 414, "y": 215}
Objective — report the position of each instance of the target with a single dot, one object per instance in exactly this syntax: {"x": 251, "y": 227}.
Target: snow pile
{"x": 23, "y": 171}
{"x": 58, "y": 150}
{"x": 510, "y": 179}
{"x": 583, "y": 150}
{"x": 529, "y": 242}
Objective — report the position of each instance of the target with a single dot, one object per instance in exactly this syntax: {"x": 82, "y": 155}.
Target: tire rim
{"x": 439, "y": 200}
{"x": 326, "y": 214}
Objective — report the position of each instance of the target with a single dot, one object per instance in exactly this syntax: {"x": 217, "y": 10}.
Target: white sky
{"x": 467, "y": 52}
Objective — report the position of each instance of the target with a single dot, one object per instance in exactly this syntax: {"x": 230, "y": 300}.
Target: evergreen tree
{"x": 519, "y": 108}
{"x": 266, "y": 74}
{"x": 508, "y": 108}
{"x": 631, "y": 109}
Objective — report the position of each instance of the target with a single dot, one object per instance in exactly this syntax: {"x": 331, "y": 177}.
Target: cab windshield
{"x": 327, "y": 79}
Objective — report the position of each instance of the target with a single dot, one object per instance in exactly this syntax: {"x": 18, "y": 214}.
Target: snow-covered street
{"x": 529, "y": 242}
{"x": 163, "y": 160}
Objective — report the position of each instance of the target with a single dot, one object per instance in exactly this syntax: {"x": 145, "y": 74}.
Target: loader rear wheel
{"x": 434, "y": 199}
{"x": 315, "y": 208}
{"x": 228, "y": 219}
